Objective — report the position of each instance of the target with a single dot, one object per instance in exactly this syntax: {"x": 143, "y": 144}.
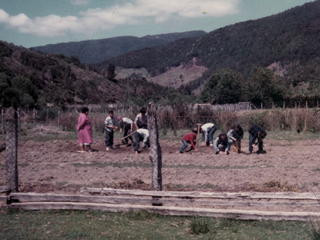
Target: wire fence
{"x": 290, "y": 162}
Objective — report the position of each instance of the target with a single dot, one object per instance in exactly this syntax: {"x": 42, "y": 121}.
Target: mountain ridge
{"x": 95, "y": 51}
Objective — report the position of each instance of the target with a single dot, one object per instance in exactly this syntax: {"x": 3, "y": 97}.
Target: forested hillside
{"x": 288, "y": 43}
{"x": 32, "y": 79}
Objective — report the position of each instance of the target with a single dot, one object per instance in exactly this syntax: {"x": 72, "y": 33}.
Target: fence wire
{"x": 54, "y": 163}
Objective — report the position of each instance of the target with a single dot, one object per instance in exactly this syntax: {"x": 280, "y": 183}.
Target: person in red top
{"x": 189, "y": 138}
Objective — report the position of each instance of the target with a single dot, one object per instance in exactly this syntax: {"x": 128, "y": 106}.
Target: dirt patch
{"x": 57, "y": 166}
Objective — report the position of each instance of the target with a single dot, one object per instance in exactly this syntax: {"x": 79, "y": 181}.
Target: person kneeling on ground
{"x": 235, "y": 135}
{"x": 189, "y": 138}
{"x": 208, "y": 130}
{"x": 141, "y": 135}
{"x": 221, "y": 144}
{"x": 256, "y": 135}
{"x": 125, "y": 125}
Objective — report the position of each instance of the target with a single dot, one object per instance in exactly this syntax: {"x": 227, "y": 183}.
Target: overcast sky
{"x": 32, "y": 23}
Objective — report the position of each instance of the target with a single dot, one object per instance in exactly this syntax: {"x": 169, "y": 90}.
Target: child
{"x": 221, "y": 144}
{"x": 126, "y": 125}
{"x": 256, "y": 133}
{"x": 141, "y": 135}
{"x": 110, "y": 124}
{"x": 189, "y": 138}
{"x": 208, "y": 130}
{"x": 235, "y": 135}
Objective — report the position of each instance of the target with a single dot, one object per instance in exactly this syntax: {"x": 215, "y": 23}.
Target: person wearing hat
{"x": 125, "y": 125}
{"x": 189, "y": 138}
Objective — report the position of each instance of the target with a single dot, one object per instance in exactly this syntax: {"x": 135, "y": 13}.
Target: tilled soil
{"x": 58, "y": 166}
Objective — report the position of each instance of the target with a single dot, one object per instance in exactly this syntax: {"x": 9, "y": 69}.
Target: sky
{"x": 31, "y": 23}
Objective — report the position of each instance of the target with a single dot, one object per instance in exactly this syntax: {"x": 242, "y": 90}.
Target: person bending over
{"x": 221, "y": 144}
{"x": 256, "y": 136}
{"x": 141, "y": 135}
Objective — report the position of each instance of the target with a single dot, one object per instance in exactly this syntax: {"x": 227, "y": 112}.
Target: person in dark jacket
{"x": 256, "y": 135}
{"x": 221, "y": 144}
{"x": 141, "y": 120}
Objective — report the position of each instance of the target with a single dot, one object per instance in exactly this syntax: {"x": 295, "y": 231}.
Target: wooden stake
{"x": 198, "y": 134}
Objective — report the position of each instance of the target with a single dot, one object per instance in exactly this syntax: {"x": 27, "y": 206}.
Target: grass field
{"x": 17, "y": 224}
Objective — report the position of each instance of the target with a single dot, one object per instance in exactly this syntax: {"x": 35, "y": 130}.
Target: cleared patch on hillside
{"x": 177, "y": 76}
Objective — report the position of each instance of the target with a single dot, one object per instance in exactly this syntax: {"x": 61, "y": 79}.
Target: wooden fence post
{"x": 2, "y": 120}
{"x": 11, "y": 150}
{"x": 59, "y": 119}
{"x": 155, "y": 149}
{"x": 34, "y": 117}
{"x": 19, "y": 123}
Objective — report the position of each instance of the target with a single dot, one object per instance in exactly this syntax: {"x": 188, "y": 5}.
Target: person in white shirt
{"x": 208, "y": 130}
{"x": 125, "y": 125}
{"x": 110, "y": 126}
{"x": 141, "y": 135}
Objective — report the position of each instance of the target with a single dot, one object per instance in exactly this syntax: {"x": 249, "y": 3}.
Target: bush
{"x": 199, "y": 225}
{"x": 52, "y": 114}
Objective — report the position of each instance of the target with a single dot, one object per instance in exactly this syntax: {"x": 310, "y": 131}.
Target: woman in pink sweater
{"x": 84, "y": 130}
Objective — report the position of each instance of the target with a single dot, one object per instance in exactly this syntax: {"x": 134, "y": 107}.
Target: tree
{"x": 111, "y": 70}
{"x": 264, "y": 86}
{"x": 224, "y": 86}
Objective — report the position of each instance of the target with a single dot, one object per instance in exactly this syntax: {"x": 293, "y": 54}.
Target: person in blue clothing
{"x": 256, "y": 136}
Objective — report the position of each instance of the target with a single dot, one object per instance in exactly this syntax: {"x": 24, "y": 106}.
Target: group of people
{"x": 126, "y": 126}
{"x": 221, "y": 144}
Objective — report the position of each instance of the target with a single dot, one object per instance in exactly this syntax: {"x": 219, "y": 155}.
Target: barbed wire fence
{"x": 298, "y": 119}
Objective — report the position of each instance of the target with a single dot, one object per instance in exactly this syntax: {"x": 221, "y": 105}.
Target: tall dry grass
{"x": 184, "y": 117}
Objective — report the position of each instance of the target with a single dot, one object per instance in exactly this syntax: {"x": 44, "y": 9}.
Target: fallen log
{"x": 176, "y": 211}
{"x": 222, "y": 195}
{"x": 44, "y": 197}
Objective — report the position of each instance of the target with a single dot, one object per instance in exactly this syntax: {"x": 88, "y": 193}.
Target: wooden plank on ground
{"x": 223, "y": 195}
{"x": 177, "y": 211}
{"x": 49, "y": 197}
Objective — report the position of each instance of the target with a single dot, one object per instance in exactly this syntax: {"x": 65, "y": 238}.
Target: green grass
{"x": 114, "y": 164}
{"x": 17, "y": 224}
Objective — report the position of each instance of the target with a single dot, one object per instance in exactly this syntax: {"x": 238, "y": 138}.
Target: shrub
{"x": 199, "y": 225}
{"x": 50, "y": 113}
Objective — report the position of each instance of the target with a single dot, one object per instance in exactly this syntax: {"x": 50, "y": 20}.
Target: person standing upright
{"x": 110, "y": 126}
{"x": 84, "y": 130}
